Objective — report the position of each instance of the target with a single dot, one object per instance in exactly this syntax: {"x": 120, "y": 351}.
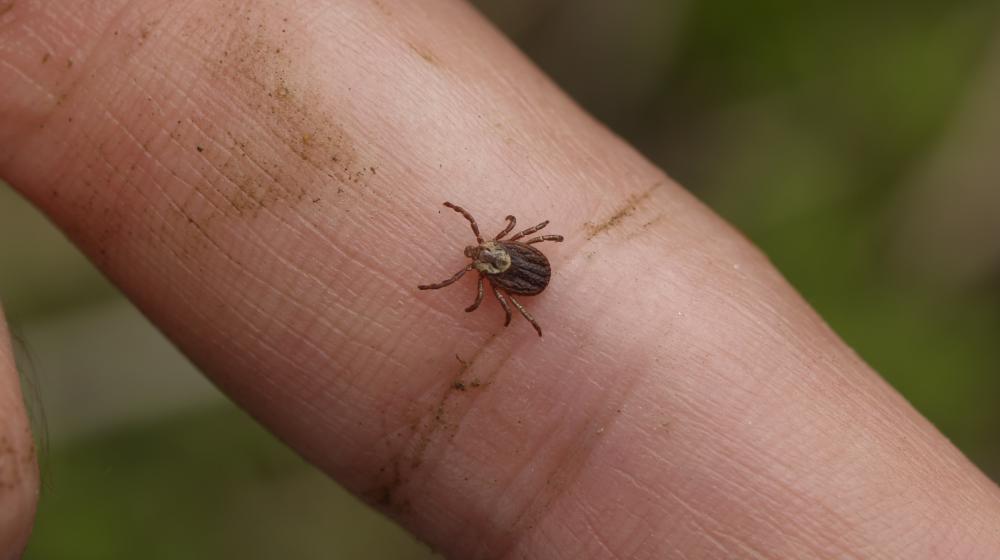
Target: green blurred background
{"x": 855, "y": 142}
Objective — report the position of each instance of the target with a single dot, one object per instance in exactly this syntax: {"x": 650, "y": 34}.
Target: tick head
{"x": 490, "y": 257}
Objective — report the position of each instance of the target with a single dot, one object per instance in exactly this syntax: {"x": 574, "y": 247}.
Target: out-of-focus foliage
{"x": 204, "y": 484}
{"x": 853, "y": 141}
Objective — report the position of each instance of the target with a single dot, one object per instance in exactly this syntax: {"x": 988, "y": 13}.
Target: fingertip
{"x": 18, "y": 462}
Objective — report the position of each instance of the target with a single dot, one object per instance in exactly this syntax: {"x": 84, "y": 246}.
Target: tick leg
{"x": 479, "y": 296}
{"x": 511, "y": 221}
{"x": 527, "y": 315}
{"x": 447, "y": 282}
{"x": 541, "y": 238}
{"x": 503, "y": 303}
{"x": 530, "y": 230}
{"x": 472, "y": 221}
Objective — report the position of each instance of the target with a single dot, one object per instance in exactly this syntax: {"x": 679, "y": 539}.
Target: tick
{"x": 510, "y": 266}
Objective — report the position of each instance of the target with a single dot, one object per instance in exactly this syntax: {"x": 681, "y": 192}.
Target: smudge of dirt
{"x": 629, "y": 208}
{"x": 6, "y": 7}
{"x": 287, "y": 114}
{"x": 424, "y": 53}
{"x": 382, "y": 8}
{"x": 384, "y": 495}
{"x": 440, "y": 411}
{"x": 645, "y": 227}
{"x": 445, "y": 415}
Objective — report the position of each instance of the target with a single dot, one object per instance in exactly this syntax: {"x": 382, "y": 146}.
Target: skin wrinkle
{"x": 275, "y": 388}
{"x": 569, "y": 464}
{"x": 719, "y": 479}
{"x": 203, "y": 233}
{"x": 179, "y": 261}
{"x": 724, "y": 459}
{"x": 329, "y": 244}
{"x": 703, "y": 522}
{"x": 808, "y": 533}
{"x": 529, "y": 512}
{"x": 598, "y": 539}
{"x": 639, "y": 517}
{"x": 60, "y": 35}
{"x": 709, "y": 434}
{"x": 515, "y": 100}
{"x": 260, "y": 242}
{"x": 79, "y": 64}
{"x": 676, "y": 531}
{"x": 46, "y": 45}
{"x": 102, "y": 156}
{"x": 31, "y": 82}
{"x": 117, "y": 208}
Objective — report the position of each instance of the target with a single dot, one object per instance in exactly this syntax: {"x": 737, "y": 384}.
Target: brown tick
{"x": 510, "y": 266}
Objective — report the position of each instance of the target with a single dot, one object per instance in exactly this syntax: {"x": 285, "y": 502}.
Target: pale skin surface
{"x": 265, "y": 179}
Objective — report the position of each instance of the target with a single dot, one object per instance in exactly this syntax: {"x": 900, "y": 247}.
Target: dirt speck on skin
{"x": 462, "y": 385}
{"x": 6, "y": 7}
{"x": 629, "y": 208}
{"x": 144, "y": 34}
{"x": 46, "y": 57}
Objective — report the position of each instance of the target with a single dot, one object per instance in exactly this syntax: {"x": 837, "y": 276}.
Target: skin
{"x": 264, "y": 179}
{"x": 18, "y": 466}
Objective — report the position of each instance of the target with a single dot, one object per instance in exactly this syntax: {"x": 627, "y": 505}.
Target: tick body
{"x": 510, "y": 267}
